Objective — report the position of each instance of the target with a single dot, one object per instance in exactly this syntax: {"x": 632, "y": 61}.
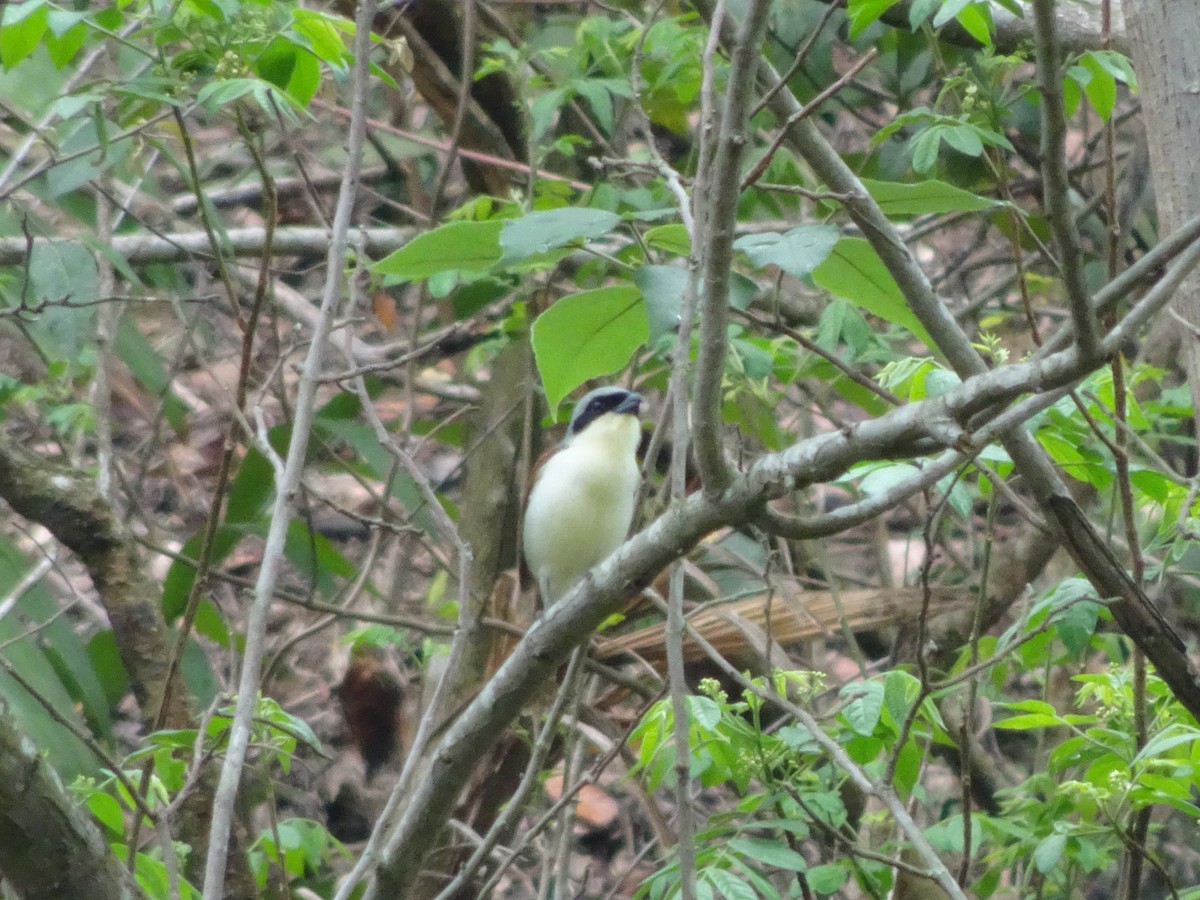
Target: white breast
{"x": 581, "y": 505}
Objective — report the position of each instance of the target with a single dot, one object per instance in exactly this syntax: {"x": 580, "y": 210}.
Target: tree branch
{"x": 288, "y": 480}
{"x": 40, "y": 821}
{"x": 719, "y": 223}
{"x": 69, "y": 505}
{"x": 1054, "y": 176}
{"x": 142, "y": 249}
{"x": 918, "y": 427}
{"x": 1134, "y": 612}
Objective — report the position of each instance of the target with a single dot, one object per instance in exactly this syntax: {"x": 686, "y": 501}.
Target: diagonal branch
{"x": 916, "y": 428}
{"x": 1134, "y": 612}
{"x": 68, "y": 504}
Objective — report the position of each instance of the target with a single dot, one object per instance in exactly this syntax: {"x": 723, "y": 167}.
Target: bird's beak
{"x": 631, "y": 404}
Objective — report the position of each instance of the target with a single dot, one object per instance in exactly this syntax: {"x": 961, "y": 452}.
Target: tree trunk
{"x": 1163, "y": 41}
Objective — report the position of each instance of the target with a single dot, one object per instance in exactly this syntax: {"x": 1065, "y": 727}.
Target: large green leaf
{"x": 63, "y": 274}
{"x": 455, "y": 246}
{"x": 797, "y": 251}
{"x": 663, "y": 287}
{"x": 316, "y": 559}
{"x": 23, "y": 27}
{"x": 539, "y": 232}
{"x": 925, "y": 198}
{"x": 182, "y": 572}
{"x": 855, "y": 273}
{"x": 587, "y": 335}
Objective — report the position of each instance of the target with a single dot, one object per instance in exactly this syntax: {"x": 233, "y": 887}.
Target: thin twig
{"x": 808, "y": 109}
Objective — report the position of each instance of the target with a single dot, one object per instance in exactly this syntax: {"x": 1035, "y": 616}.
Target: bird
{"x": 582, "y": 500}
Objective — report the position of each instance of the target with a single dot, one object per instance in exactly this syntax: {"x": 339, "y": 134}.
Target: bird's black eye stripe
{"x": 600, "y": 403}
{"x": 594, "y": 410}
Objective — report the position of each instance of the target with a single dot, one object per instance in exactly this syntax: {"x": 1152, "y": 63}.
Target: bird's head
{"x": 602, "y": 406}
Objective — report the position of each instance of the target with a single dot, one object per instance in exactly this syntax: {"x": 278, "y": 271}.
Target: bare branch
{"x": 248, "y": 684}
{"x": 1054, "y": 177}
{"x": 141, "y": 249}
{"x": 718, "y": 225}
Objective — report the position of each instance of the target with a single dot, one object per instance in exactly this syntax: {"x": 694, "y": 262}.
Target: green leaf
{"x": 949, "y": 9}
{"x": 544, "y": 108}
{"x": 1076, "y": 625}
{"x": 826, "y": 879}
{"x": 1172, "y": 736}
{"x": 107, "y": 811}
{"x": 63, "y": 48}
{"x": 728, "y": 885}
{"x": 663, "y": 287}
{"x": 23, "y": 25}
{"x": 587, "y": 335}
{"x": 908, "y": 766}
{"x": 600, "y": 99}
{"x": 925, "y": 198}
{"x": 883, "y": 478}
{"x": 924, "y": 148}
{"x": 147, "y": 367}
{"x": 865, "y": 706}
{"x": 841, "y": 321}
{"x": 919, "y": 11}
{"x": 1117, "y": 65}
{"x": 209, "y": 623}
{"x": 539, "y": 232}
{"x": 704, "y": 711}
{"x": 863, "y": 13}
{"x": 672, "y": 238}
{"x": 1100, "y": 86}
{"x": 323, "y": 565}
{"x": 111, "y": 679}
{"x": 181, "y": 574}
{"x": 769, "y": 853}
{"x": 277, "y": 61}
{"x": 1029, "y": 722}
{"x": 291, "y": 68}
{"x": 52, "y": 658}
{"x": 1049, "y": 851}
{"x": 797, "y": 251}
{"x": 62, "y": 274}
{"x": 1034, "y": 706}
{"x": 964, "y": 139}
{"x": 662, "y": 290}
{"x": 323, "y": 35}
{"x": 976, "y": 20}
{"x": 460, "y": 246}
{"x": 855, "y": 273}
{"x": 61, "y": 21}
{"x": 899, "y": 690}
